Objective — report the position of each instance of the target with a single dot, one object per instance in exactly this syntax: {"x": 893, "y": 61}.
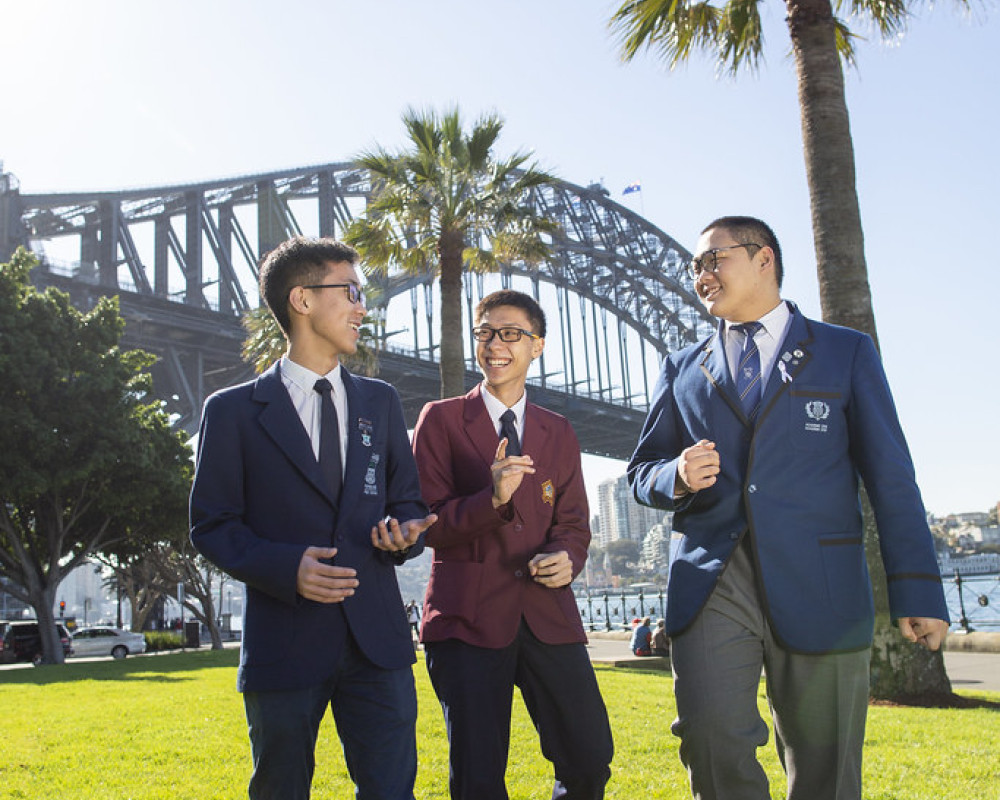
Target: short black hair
{"x": 297, "y": 262}
{"x": 750, "y": 230}
{"x": 510, "y": 297}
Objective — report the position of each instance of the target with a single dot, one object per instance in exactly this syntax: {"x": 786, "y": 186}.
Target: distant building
{"x": 656, "y": 549}
{"x": 621, "y": 516}
{"x": 10, "y": 606}
{"x": 978, "y": 564}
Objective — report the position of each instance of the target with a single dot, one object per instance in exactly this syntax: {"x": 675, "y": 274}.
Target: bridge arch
{"x": 183, "y": 260}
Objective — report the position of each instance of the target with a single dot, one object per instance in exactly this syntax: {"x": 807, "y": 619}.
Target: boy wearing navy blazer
{"x": 758, "y": 438}
{"x": 306, "y": 490}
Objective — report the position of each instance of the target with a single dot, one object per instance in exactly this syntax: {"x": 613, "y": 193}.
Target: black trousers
{"x": 476, "y": 685}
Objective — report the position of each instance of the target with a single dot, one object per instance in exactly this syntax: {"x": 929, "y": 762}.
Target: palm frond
{"x": 741, "y": 40}
{"x": 672, "y": 28}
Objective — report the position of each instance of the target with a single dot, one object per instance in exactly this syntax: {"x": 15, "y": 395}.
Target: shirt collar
{"x": 495, "y": 407}
{"x": 306, "y": 379}
{"x": 774, "y": 322}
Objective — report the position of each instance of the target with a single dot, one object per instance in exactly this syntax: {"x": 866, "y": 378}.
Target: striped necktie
{"x": 748, "y": 383}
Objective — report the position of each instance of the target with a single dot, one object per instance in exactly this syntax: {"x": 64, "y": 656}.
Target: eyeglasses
{"x": 485, "y": 334}
{"x": 354, "y": 292}
{"x": 709, "y": 260}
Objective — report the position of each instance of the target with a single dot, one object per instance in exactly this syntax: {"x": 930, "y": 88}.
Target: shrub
{"x": 157, "y": 641}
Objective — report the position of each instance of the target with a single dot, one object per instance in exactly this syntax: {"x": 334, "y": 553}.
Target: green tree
{"x": 821, "y": 43}
{"x": 448, "y": 204}
{"x": 86, "y": 459}
{"x": 622, "y": 553}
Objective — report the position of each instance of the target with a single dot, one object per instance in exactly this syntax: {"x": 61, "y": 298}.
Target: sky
{"x": 114, "y": 94}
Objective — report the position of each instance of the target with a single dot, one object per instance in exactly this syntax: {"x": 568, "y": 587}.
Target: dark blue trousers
{"x": 375, "y": 710}
{"x": 476, "y": 685}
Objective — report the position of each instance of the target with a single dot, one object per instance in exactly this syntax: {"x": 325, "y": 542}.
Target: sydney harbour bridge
{"x": 183, "y": 261}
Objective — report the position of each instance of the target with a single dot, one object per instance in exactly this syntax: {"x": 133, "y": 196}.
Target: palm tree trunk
{"x": 450, "y": 250}
{"x": 845, "y": 296}
{"x": 898, "y": 668}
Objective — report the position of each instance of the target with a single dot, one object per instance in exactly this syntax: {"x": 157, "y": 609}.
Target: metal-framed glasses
{"x": 485, "y": 334}
{"x": 709, "y": 260}
{"x": 354, "y": 292}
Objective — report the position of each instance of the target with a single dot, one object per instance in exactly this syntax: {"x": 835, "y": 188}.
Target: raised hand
{"x": 508, "y": 472}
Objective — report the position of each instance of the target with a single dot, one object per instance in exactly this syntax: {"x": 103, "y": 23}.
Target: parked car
{"x": 101, "y": 640}
{"x": 20, "y": 641}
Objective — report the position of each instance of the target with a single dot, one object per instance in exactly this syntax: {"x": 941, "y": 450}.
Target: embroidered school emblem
{"x": 548, "y": 493}
{"x": 817, "y": 410}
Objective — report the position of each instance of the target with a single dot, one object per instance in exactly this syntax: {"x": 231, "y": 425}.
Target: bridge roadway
{"x": 198, "y": 353}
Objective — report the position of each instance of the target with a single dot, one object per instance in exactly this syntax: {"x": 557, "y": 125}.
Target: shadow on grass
{"x": 168, "y": 667}
{"x": 938, "y": 700}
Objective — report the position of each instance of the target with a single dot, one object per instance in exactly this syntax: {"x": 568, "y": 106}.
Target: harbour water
{"x": 973, "y": 604}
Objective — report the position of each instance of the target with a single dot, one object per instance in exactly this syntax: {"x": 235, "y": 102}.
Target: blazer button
{"x": 519, "y": 573}
{"x": 752, "y": 488}
{"x": 518, "y": 527}
{"x": 734, "y": 536}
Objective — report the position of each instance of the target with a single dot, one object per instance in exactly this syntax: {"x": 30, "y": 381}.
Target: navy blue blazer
{"x": 789, "y": 481}
{"x": 259, "y": 500}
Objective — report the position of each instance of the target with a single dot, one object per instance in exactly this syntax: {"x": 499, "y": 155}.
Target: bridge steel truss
{"x": 183, "y": 261}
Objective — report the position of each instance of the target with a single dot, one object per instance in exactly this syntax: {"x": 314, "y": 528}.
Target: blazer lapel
{"x": 536, "y": 434}
{"x": 789, "y": 360}
{"x": 478, "y": 425}
{"x": 716, "y": 370}
{"x": 281, "y": 422}
{"x": 360, "y": 424}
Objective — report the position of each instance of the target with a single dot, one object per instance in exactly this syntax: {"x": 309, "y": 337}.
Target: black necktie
{"x": 329, "y": 439}
{"x": 508, "y": 430}
{"x": 748, "y": 372}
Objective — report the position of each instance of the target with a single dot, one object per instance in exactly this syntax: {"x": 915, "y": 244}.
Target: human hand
{"x": 322, "y": 582}
{"x": 552, "y": 569}
{"x": 508, "y": 472}
{"x": 926, "y": 631}
{"x": 697, "y": 467}
{"x": 393, "y": 536}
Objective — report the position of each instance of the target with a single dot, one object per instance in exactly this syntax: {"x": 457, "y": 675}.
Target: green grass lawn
{"x": 171, "y": 727}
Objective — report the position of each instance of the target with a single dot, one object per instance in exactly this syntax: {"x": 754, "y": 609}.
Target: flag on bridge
{"x": 632, "y": 187}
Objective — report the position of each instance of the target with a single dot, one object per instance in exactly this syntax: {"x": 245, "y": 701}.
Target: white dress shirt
{"x": 495, "y": 408}
{"x": 300, "y": 383}
{"x": 768, "y": 338}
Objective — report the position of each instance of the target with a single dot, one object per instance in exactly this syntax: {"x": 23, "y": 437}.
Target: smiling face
{"x": 744, "y": 287}
{"x": 505, "y": 364}
{"x": 325, "y": 323}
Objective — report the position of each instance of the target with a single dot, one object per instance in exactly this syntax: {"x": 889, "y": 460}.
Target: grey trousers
{"x": 818, "y": 702}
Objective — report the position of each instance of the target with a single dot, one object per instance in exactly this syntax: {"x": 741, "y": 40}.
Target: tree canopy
{"x": 87, "y": 459}
{"x": 448, "y": 204}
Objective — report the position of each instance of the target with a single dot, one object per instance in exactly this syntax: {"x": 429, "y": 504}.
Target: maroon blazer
{"x": 480, "y": 587}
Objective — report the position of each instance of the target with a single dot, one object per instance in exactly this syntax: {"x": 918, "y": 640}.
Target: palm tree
{"x": 447, "y": 204}
{"x": 821, "y": 41}
{"x": 265, "y": 343}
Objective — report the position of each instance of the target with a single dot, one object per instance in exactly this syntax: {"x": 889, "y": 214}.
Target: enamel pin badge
{"x": 548, "y": 493}
{"x": 365, "y": 427}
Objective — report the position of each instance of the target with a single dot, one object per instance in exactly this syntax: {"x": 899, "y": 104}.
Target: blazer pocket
{"x": 453, "y": 590}
{"x": 817, "y": 420}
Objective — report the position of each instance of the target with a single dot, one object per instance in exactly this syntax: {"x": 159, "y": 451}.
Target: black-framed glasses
{"x": 709, "y": 260}
{"x": 354, "y": 292}
{"x": 485, "y": 334}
